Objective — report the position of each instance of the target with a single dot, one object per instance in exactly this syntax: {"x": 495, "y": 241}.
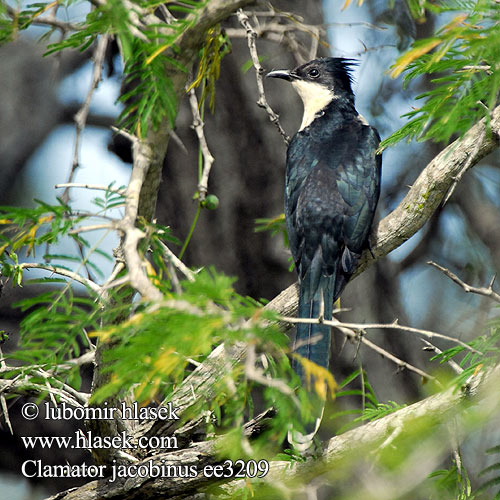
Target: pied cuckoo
{"x": 331, "y": 192}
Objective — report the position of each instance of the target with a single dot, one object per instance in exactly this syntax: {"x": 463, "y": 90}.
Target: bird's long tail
{"x": 312, "y": 343}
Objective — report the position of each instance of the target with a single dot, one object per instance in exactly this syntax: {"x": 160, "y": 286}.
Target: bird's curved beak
{"x": 285, "y": 74}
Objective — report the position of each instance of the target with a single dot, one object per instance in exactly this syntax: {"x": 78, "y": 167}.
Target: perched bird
{"x": 331, "y": 192}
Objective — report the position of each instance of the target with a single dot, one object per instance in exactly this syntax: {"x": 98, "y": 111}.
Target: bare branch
{"x": 347, "y": 329}
{"x": 93, "y": 227}
{"x": 5, "y": 412}
{"x": 81, "y": 397}
{"x": 81, "y": 116}
{"x": 176, "y": 262}
{"x": 84, "y": 359}
{"x": 89, "y": 186}
{"x": 63, "y": 272}
{"x": 208, "y": 159}
{"x": 360, "y": 337}
{"x": 455, "y": 366}
{"x": 486, "y": 292}
{"x": 120, "y": 131}
{"x": 259, "y": 71}
{"x": 396, "y": 326}
{"x": 20, "y": 384}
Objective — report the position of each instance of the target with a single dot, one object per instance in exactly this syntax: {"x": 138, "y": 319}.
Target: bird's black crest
{"x": 337, "y": 68}
{"x": 341, "y": 67}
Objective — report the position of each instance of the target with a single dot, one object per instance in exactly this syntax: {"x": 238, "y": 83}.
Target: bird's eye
{"x": 313, "y": 73}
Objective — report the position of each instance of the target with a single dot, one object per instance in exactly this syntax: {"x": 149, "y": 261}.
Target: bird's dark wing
{"x": 332, "y": 188}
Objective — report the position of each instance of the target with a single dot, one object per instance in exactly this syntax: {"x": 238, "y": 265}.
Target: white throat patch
{"x": 315, "y": 97}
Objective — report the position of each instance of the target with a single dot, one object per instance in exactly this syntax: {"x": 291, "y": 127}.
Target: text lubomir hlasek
{"x": 133, "y": 412}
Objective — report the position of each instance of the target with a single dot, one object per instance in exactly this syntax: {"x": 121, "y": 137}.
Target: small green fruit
{"x": 211, "y": 202}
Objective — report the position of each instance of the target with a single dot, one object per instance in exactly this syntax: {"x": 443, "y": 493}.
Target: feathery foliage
{"x": 462, "y": 59}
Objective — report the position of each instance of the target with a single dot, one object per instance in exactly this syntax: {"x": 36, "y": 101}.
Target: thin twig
{"x": 94, "y": 227}
{"x": 81, "y": 116}
{"x": 177, "y": 262}
{"x": 98, "y": 187}
{"x": 259, "y": 71}
{"x": 21, "y": 383}
{"x": 120, "y": 131}
{"x": 5, "y": 411}
{"x": 208, "y": 159}
{"x": 79, "y": 396}
{"x": 85, "y": 214}
{"x": 278, "y": 29}
{"x": 308, "y": 341}
{"x": 117, "y": 282}
{"x": 313, "y": 51}
{"x": 479, "y": 67}
{"x": 486, "y": 292}
{"x": 431, "y": 347}
{"x": 174, "y": 280}
{"x": 80, "y": 121}
{"x": 119, "y": 267}
{"x": 85, "y": 359}
{"x": 360, "y": 337}
{"x": 370, "y": 326}
{"x": 138, "y": 19}
{"x": 62, "y": 272}
{"x": 396, "y": 326}
{"x": 386, "y": 354}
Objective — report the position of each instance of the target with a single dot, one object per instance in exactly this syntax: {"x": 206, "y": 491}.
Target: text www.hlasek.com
{"x": 82, "y": 440}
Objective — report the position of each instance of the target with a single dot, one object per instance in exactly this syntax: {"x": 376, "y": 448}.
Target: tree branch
{"x": 208, "y": 159}
{"x": 81, "y": 117}
{"x": 393, "y": 326}
{"x": 259, "y": 71}
{"x": 486, "y": 292}
{"x": 63, "y": 272}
